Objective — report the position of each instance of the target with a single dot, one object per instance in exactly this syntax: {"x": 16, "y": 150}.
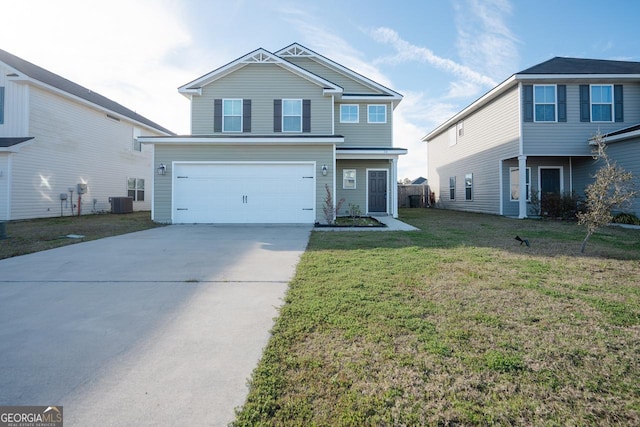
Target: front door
{"x": 377, "y": 191}
{"x": 549, "y": 181}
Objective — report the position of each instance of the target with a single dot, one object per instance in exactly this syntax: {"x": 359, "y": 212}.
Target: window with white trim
{"x": 135, "y": 189}
{"x": 349, "y": 113}
{"x": 468, "y": 186}
{"x": 349, "y": 179}
{"x": 376, "y": 114}
{"x": 452, "y": 188}
{"x": 292, "y": 115}
{"x": 601, "y": 103}
{"x": 514, "y": 177}
{"x": 232, "y": 115}
{"x": 544, "y": 100}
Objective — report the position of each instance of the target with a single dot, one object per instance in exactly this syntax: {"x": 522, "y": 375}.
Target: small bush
{"x": 626, "y": 218}
{"x": 564, "y": 206}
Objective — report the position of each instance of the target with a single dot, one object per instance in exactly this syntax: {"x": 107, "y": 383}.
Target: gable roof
{"x": 39, "y": 74}
{"x": 575, "y": 69}
{"x": 297, "y": 50}
{"x": 561, "y": 65}
{"x": 258, "y": 56}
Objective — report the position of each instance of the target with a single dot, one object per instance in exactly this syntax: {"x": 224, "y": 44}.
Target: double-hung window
{"x": 349, "y": 113}
{"x": 514, "y": 174}
{"x": 468, "y": 186}
{"x": 232, "y": 115}
{"x": 452, "y": 188}
{"x": 376, "y": 114}
{"x": 349, "y": 179}
{"x": 544, "y": 98}
{"x": 135, "y": 189}
{"x": 292, "y": 115}
{"x": 601, "y": 103}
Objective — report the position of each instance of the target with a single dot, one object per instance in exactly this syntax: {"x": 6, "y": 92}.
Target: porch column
{"x": 522, "y": 178}
{"x": 394, "y": 187}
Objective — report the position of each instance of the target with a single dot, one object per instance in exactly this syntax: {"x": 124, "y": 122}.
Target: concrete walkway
{"x": 391, "y": 223}
{"x": 159, "y": 327}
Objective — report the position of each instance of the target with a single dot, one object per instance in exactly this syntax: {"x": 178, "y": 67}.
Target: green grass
{"x": 457, "y": 324}
{"x": 25, "y": 237}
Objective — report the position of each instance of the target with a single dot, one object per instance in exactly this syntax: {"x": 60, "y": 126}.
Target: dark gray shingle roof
{"x": 52, "y": 79}
{"x": 6, "y": 142}
{"x": 561, "y": 65}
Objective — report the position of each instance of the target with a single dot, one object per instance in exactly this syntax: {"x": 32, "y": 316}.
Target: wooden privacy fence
{"x": 414, "y": 196}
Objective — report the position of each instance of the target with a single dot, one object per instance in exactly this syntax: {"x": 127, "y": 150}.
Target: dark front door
{"x": 378, "y": 191}
{"x": 549, "y": 181}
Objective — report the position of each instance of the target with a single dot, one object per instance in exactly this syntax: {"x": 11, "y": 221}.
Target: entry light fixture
{"x": 324, "y": 170}
{"x": 162, "y": 169}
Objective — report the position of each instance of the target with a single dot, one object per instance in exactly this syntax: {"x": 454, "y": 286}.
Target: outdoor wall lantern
{"x": 162, "y": 169}
{"x": 324, "y": 170}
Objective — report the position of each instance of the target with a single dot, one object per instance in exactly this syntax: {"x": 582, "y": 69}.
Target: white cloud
{"x": 485, "y": 41}
{"x": 407, "y": 52}
{"x": 121, "y": 49}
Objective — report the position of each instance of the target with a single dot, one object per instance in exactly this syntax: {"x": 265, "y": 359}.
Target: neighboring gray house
{"x": 269, "y": 133}
{"x": 534, "y": 129}
{"x": 57, "y": 136}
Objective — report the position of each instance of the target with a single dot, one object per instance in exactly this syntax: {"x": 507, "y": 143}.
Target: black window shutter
{"x": 618, "y": 103}
{"x": 585, "y": 104}
{"x": 1, "y": 105}
{"x": 246, "y": 115}
{"x": 562, "y": 103}
{"x": 306, "y": 115}
{"x": 277, "y": 115}
{"x": 217, "y": 115}
{"x": 527, "y": 105}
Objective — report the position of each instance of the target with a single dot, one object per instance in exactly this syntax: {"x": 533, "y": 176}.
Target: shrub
{"x": 564, "y": 206}
{"x": 626, "y": 218}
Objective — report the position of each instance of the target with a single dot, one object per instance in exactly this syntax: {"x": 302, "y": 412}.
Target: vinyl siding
{"x": 365, "y": 134}
{"x": 321, "y": 154}
{"x": 357, "y": 196}
{"x": 570, "y": 138}
{"x": 15, "y": 106}
{"x": 4, "y": 186}
{"x": 627, "y": 156}
{"x": 262, "y": 83}
{"x": 349, "y": 85}
{"x": 490, "y": 134}
{"x": 74, "y": 144}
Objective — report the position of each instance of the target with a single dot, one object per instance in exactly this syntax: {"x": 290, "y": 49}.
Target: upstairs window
{"x": 544, "y": 98}
{"x": 232, "y": 115}
{"x": 292, "y": 115}
{"x": 349, "y": 114}
{"x": 601, "y": 103}
{"x": 376, "y": 114}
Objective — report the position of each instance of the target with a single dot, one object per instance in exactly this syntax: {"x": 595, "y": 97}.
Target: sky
{"x": 440, "y": 54}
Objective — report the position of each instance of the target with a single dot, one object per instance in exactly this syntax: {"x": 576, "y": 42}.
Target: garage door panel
{"x": 244, "y": 193}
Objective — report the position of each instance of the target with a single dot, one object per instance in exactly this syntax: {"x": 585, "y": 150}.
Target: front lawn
{"x": 458, "y": 324}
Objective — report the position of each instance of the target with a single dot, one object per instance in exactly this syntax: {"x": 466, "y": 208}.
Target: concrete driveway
{"x": 158, "y": 327}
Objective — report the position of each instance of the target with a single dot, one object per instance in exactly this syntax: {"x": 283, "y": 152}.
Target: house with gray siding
{"x": 57, "y": 137}
{"x": 271, "y": 132}
{"x": 531, "y": 135}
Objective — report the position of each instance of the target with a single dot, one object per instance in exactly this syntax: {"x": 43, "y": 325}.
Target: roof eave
{"x": 561, "y": 76}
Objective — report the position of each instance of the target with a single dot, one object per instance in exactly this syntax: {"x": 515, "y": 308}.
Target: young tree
{"x": 613, "y": 187}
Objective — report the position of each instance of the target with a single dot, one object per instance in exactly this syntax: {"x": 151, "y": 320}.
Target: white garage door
{"x": 244, "y": 193}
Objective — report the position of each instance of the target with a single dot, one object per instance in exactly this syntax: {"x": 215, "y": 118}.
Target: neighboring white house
{"x": 57, "y": 137}
{"x": 270, "y": 132}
